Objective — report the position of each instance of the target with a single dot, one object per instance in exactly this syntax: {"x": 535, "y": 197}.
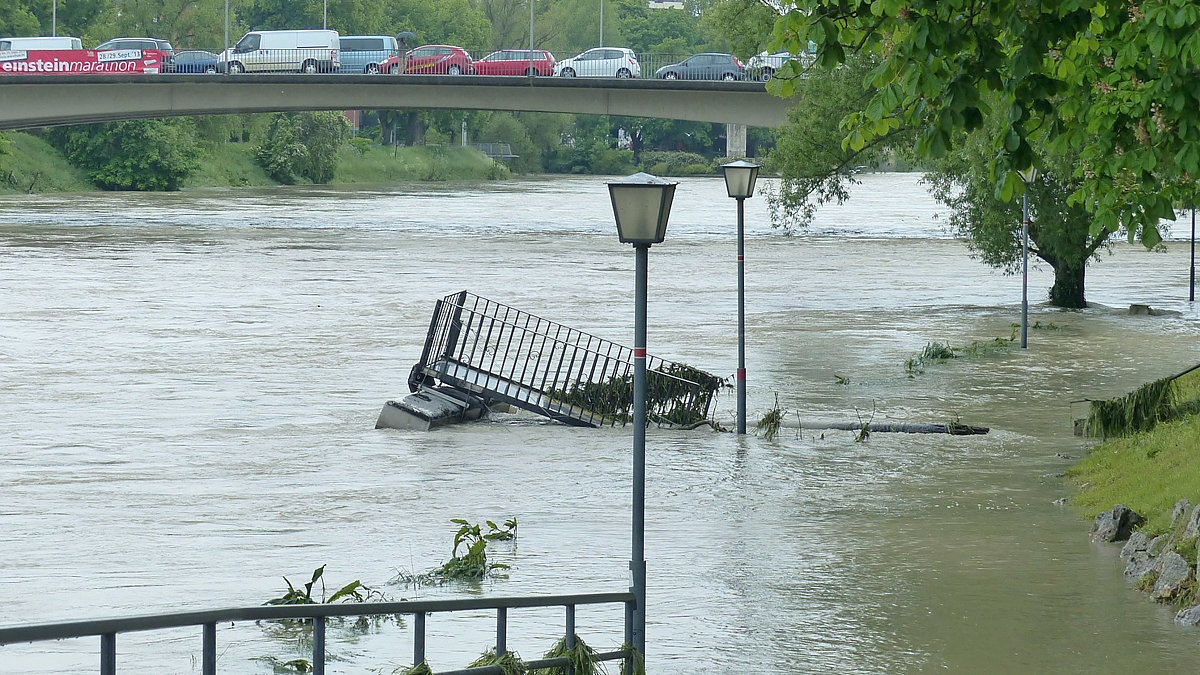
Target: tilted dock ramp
{"x": 495, "y": 352}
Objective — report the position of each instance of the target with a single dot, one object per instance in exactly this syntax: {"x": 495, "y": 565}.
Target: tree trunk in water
{"x": 1067, "y": 290}
{"x": 414, "y": 129}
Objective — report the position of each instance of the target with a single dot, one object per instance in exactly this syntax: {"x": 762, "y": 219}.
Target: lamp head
{"x": 1029, "y": 175}
{"x": 641, "y": 205}
{"x": 740, "y": 177}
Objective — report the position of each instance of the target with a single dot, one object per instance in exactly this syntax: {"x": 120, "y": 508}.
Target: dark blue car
{"x": 194, "y": 61}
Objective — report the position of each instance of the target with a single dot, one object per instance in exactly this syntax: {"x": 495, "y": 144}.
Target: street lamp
{"x": 1028, "y": 176}
{"x": 641, "y": 204}
{"x": 739, "y": 181}
{"x": 325, "y": 15}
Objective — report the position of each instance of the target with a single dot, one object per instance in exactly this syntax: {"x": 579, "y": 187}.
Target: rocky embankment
{"x": 1163, "y": 566}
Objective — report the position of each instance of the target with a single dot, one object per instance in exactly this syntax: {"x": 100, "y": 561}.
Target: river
{"x": 189, "y": 384}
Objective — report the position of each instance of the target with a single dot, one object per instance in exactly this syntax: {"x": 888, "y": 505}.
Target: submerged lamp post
{"x": 739, "y": 182}
{"x": 641, "y": 204}
{"x": 1028, "y": 176}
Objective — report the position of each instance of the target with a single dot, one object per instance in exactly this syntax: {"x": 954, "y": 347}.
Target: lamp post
{"x": 739, "y": 182}
{"x": 601, "y": 23}
{"x": 1028, "y": 176}
{"x": 325, "y": 15}
{"x": 54, "y": 19}
{"x": 641, "y": 204}
{"x": 1192, "y": 286}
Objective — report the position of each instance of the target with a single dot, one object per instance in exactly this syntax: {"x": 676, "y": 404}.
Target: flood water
{"x": 189, "y": 384}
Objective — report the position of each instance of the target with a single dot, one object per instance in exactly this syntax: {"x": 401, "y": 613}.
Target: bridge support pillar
{"x": 735, "y": 140}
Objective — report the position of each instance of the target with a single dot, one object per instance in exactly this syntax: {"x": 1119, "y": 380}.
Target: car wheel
{"x": 624, "y": 73}
{"x": 393, "y": 69}
{"x": 454, "y": 70}
{"x": 211, "y": 70}
{"x": 372, "y": 69}
{"x": 670, "y": 76}
{"x": 568, "y": 72}
{"x": 531, "y": 73}
{"x": 767, "y": 73}
{"x": 236, "y": 68}
{"x": 728, "y": 76}
{"x": 308, "y": 67}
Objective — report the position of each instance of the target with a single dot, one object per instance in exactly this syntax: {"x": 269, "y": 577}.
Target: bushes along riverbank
{"x": 30, "y": 161}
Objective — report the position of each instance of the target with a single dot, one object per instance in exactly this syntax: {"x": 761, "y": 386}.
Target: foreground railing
{"x": 108, "y": 629}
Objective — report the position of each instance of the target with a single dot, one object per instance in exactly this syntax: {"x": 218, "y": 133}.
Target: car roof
{"x": 449, "y": 46}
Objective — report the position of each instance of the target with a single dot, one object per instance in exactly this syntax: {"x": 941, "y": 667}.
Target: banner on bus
{"x": 81, "y": 61}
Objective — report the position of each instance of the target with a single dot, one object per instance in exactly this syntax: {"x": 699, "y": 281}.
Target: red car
{"x": 437, "y": 59}
{"x": 516, "y": 62}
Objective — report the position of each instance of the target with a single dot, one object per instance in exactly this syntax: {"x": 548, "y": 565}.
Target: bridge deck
{"x": 49, "y": 100}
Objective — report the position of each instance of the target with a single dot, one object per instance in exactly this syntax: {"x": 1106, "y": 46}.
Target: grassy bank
{"x": 31, "y": 162}
{"x": 1148, "y": 471}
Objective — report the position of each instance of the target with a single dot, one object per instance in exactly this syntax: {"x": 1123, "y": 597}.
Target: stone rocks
{"x": 1174, "y": 573}
{"x": 1140, "y": 566}
{"x": 1138, "y": 542}
{"x": 1189, "y": 616}
{"x": 1192, "y": 529}
{"x": 1181, "y": 510}
{"x": 1157, "y": 544}
{"x": 1116, "y": 524}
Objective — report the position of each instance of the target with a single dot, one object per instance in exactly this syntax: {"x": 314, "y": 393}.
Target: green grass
{"x": 406, "y": 164}
{"x": 31, "y": 161}
{"x": 228, "y": 165}
{"x": 1148, "y": 472}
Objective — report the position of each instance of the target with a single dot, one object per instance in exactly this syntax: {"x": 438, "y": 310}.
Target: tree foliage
{"x": 1111, "y": 80}
{"x": 133, "y": 155}
{"x": 303, "y": 146}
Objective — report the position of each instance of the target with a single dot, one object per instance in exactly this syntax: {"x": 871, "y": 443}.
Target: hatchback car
{"x": 704, "y": 67}
{"x": 601, "y": 62}
{"x": 516, "y": 62}
{"x": 193, "y": 61}
{"x": 763, "y": 66}
{"x": 436, "y": 59}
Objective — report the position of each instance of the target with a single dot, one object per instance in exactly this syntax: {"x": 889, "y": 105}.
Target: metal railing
{"x": 499, "y": 352}
{"x": 108, "y": 629}
{"x": 375, "y": 62}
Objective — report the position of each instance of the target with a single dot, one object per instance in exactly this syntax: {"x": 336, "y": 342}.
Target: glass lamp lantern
{"x": 740, "y": 177}
{"x": 641, "y": 204}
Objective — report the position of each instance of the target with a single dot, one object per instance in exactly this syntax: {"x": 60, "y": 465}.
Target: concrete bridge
{"x": 50, "y": 100}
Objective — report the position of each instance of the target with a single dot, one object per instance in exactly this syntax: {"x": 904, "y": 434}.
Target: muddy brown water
{"x": 189, "y": 383}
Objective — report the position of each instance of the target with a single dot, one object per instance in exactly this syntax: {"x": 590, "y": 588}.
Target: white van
{"x": 33, "y": 44}
{"x": 264, "y": 51}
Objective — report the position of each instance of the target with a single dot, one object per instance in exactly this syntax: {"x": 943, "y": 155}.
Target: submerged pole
{"x": 1025, "y": 269}
{"x": 637, "y": 565}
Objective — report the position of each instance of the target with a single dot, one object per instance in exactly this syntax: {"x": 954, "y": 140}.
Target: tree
{"x": 133, "y": 155}
{"x": 185, "y": 23}
{"x": 1109, "y": 79}
{"x": 17, "y": 19}
{"x": 303, "y": 145}
{"x": 1059, "y": 230}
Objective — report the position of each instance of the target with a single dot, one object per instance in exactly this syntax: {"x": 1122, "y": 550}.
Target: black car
{"x": 704, "y": 67}
{"x": 193, "y": 61}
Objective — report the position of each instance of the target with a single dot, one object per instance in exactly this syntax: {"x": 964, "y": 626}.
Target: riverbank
{"x": 1154, "y": 463}
{"x": 31, "y": 165}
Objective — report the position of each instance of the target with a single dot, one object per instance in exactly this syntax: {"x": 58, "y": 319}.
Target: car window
{"x": 613, "y": 53}
{"x": 424, "y": 51}
{"x": 444, "y": 51}
{"x": 362, "y": 44}
{"x": 592, "y": 55}
{"x": 249, "y": 43}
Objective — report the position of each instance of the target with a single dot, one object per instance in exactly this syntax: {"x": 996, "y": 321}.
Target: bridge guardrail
{"x": 284, "y": 61}
{"x": 108, "y": 629}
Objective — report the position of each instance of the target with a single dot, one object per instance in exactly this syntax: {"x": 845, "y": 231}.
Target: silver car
{"x": 601, "y": 62}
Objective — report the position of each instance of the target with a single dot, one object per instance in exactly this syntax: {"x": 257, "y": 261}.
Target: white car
{"x": 763, "y": 66}
{"x": 601, "y": 62}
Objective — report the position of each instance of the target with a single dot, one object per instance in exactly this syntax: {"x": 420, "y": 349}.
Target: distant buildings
{"x": 665, "y": 4}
